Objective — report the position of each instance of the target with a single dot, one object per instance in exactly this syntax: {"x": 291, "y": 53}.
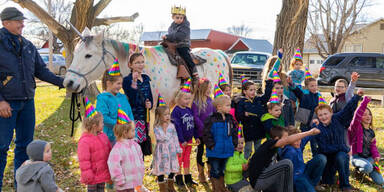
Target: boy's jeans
{"x": 248, "y": 147}
{"x": 337, "y": 162}
{"x": 23, "y": 122}
{"x": 217, "y": 166}
{"x": 365, "y": 165}
{"x": 312, "y": 174}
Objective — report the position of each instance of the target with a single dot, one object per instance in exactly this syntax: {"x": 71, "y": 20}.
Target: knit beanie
{"x": 35, "y": 150}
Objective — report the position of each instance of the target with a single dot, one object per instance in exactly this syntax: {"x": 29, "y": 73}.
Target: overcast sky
{"x": 260, "y": 15}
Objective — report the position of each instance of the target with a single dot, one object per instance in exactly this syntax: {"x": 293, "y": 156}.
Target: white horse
{"x": 94, "y": 54}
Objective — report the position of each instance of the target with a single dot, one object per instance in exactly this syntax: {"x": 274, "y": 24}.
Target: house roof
{"x": 260, "y": 45}
{"x": 196, "y": 34}
{"x": 361, "y": 26}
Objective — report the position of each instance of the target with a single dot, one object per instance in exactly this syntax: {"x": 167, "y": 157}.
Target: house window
{"x": 318, "y": 61}
{"x": 382, "y": 26}
{"x": 311, "y": 61}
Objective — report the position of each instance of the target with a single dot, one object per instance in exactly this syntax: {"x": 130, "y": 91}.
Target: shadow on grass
{"x": 54, "y": 127}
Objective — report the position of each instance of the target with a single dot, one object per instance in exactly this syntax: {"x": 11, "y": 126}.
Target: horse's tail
{"x": 228, "y": 63}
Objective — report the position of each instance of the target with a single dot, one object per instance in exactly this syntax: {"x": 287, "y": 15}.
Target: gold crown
{"x": 178, "y": 10}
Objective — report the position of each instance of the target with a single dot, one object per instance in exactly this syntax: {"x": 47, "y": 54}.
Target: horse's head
{"x": 89, "y": 62}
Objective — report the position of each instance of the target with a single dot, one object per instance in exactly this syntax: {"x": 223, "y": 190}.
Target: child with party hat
{"x": 109, "y": 100}
{"x": 220, "y": 138}
{"x": 273, "y": 117}
{"x": 125, "y": 162}
{"x": 165, "y": 163}
{"x": 182, "y": 118}
{"x": 308, "y": 101}
{"x": 297, "y": 74}
{"x": 93, "y": 150}
{"x": 249, "y": 109}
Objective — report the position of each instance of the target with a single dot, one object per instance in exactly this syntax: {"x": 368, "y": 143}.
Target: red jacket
{"x": 355, "y": 131}
{"x": 93, "y": 152}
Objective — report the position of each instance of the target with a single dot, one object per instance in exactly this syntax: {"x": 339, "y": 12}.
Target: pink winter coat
{"x": 356, "y": 134}
{"x": 93, "y": 152}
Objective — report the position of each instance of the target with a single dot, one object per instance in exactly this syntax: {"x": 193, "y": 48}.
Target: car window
{"x": 255, "y": 59}
{"x": 363, "y": 62}
{"x": 380, "y": 62}
{"x": 333, "y": 61}
{"x": 45, "y": 58}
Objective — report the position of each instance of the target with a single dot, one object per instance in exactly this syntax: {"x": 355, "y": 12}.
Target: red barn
{"x": 199, "y": 38}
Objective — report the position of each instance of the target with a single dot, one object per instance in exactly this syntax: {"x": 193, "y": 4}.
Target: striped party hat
{"x": 307, "y": 73}
{"x": 90, "y": 110}
{"x": 277, "y": 64}
{"x": 275, "y": 76}
{"x": 217, "y": 91}
{"x": 240, "y": 130}
{"x": 243, "y": 79}
{"x": 122, "y": 117}
{"x": 322, "y": 100}
{"x": 115, "y": 69}
{"x": 298, "y": 54}
{"x": 160, "y": 101}
{"x": 187, "y": 86}
{"x": 274, "y": 97}
{"x": 222, "y": 80}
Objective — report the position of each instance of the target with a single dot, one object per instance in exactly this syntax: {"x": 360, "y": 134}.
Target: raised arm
{"x": 268, "y": 91}
{"x": 359, "y": 114}
{"x": 351, "y": 87}
{"x": 346, "y": 114}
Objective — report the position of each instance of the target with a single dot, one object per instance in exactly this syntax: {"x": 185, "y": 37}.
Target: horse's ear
{"x": 99, "y": 37}
{"x": 86, "y": 32}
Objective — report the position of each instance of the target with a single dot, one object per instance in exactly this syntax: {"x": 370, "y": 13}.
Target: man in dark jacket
{"x": 20, "y": 63}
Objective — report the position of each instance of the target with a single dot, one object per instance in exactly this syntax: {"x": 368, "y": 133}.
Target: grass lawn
{"x": 53, "y": 124}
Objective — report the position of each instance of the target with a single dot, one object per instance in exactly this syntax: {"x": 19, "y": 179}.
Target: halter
{"x": 102, "y": 60}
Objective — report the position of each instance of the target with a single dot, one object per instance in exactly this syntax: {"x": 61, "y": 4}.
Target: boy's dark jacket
{"x": 180, "y": 33}
{"x": 307, "y": 101}
{"x": 253, "y": 128}
{"x": 220, "y": 136}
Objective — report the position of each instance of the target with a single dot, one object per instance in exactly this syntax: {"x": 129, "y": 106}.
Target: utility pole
{"x": 50, "y": 66}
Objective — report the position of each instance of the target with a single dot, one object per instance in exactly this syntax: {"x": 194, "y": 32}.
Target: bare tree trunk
{"x": 290, "y": 29}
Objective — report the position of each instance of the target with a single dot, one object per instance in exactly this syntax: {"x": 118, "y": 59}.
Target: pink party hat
{"x": 187, "y": 86}
{"x": 307, "y": 73}
{"x": 222, "y": 80}
{"x": 161, "y": 101}
{"x": 322, "y": 100}
{"x": 298, "y": 54}
{"x": 274, "y": 97}
{"x": 275, "y": 77}
{"x": 122, "y": 117}
{"x": 90, "y": 110}
{"x": 217, "y": 91}
{"x": 115, "y": 69}
{"x": 243, "y": 79}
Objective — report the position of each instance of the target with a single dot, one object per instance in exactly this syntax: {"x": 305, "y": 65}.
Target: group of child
{"x": 115, "y": 138}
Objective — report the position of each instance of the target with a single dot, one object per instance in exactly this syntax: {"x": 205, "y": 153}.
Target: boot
{"x": 179, "y": 180}
{"x": 171, "y": 187}
{"x": 209, "y": 171}
{"x": 222, "y": 185}
{"x": 215, "y": 184}
{"x": 163, "y": 186}
{"x": 188, "y": 180}
{"x": 202, "y": 179}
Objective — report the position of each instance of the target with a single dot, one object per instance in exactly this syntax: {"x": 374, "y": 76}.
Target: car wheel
{"x": 62, "y": 71}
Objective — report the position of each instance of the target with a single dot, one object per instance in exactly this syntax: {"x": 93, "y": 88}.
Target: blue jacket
{"x": 253, "y": 128}
{"x": 107, "y": 104}
{"x": 296, "y": 156}
{"x": 332, "y": 137}
{"x": 18, "y": 69}
{"x": 220, "y": 136}
{"x": 308, "y": 100}
{"x": 138, "y": 96}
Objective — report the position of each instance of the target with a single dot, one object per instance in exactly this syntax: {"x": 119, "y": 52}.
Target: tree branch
{"x": 110, "y": 20}
{"x": 56, "y": 28}
{"x": 100, "y": 6}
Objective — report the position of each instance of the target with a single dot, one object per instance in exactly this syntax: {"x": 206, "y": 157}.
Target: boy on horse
{"x": 179, "y": 33}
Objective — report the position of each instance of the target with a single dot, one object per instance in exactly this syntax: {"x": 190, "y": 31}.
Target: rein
{"x": 74, "y": 112}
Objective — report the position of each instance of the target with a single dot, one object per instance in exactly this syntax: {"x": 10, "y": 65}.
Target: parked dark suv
{"x": 370, "y": 66}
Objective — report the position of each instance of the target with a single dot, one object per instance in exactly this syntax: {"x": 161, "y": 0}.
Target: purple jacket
{"x": 356, "y": 133}
{"x": 184, "y": 124}
{"x": 202, "y": 116}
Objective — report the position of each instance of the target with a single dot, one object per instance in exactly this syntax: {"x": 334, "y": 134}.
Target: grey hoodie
{"x": 35, "y": 176}
{"x": 180, "y": 33}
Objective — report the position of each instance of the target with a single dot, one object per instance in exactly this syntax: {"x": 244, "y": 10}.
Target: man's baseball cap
{"x": 11, "y": 13}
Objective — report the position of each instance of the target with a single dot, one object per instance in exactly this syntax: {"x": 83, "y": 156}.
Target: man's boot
{"x": 179, "y": 180}
{"x": 163, "y": 186}
{"x": 171, "y": 187}
{"x": 200, "y": 169}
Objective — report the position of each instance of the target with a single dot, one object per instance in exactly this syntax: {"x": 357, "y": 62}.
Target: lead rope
{"x": 75, "y": 107}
